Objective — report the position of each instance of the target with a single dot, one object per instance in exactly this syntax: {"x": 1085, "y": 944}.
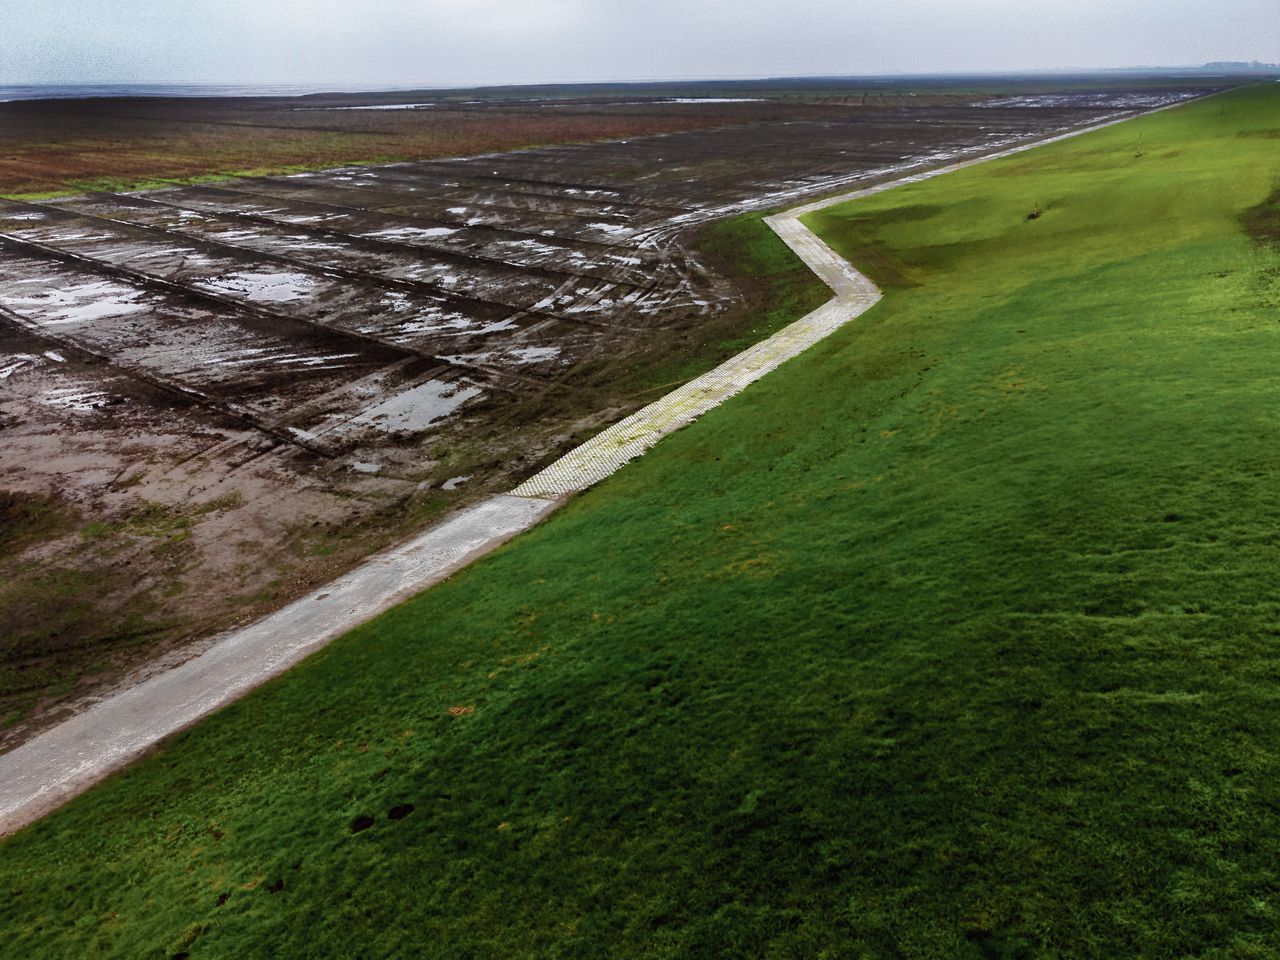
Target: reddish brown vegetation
{"x": 52, "y": 146}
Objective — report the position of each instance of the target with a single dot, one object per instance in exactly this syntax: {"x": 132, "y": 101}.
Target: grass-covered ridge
{"x": 956, "y": 637}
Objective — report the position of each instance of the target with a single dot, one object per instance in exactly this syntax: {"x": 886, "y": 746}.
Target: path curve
{"x": 66, "y": 760}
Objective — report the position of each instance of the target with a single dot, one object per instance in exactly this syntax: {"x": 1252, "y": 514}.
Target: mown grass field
{"x": 957, "y": 637}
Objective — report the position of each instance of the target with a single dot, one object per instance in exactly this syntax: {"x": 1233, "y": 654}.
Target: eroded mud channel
{"x": 213, "y": 398}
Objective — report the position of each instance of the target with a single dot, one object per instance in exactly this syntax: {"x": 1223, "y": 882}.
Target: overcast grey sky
{"x": 402, "y": 42}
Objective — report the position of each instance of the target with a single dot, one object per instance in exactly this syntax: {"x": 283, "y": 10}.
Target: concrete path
{"x": 65, "y": 761}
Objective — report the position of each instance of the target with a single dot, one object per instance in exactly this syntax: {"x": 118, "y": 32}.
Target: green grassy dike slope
{"x": 957, "y": 637}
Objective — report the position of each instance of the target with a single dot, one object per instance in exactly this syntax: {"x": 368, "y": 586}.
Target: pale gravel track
{"x": 66, "y": 760}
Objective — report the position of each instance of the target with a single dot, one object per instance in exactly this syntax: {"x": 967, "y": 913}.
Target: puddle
{"x": 234, "y": 234}
{"x": 423, "y": 311}
{"x": 430, "y": 323}
{"x": 477, "y": 359}
{"x": 274, "y": 287}
{"x": 76, "y": 399}
{"x": 13, "y": 363}
{"x": 316, "y": 246}
{"x": 535, "y": 354}
{"x": 363, "y": 467}
{"x": 411, "y": 233}
{"x": 532, "y": 246}
{"x": 396, "y": 300}
{"x": 82, "y": 302}
{"x": 517, "y": 355}
{"x": 498, "y": 326}
{"x": 1101, "y": 101}
{"x": 666, "y": 100}
{"x": 305, "y": 217}
{"x": 417, "y": 408}
{"x": 75, "y": 237}
{"x": 377, "y": 106}
{"x": 279, "y": 357}
{"x": 325, "y": 361}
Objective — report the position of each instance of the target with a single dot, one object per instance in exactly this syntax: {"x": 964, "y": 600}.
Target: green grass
{"x": 957, "y": 637}
{"x": 26, "y": 518}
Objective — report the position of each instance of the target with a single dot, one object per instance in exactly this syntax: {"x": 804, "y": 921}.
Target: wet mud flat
{"x": 215, "y": 397}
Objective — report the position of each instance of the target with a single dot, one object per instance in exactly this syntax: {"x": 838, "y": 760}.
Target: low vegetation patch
{"x": 28, "y": 517}
{"x": 954, "y": 638}
{"x": 1262, "y": 222}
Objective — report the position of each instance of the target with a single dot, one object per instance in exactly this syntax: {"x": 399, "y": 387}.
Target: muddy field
{"x": 49, "y": 146}
{"x": 214, "y": 397}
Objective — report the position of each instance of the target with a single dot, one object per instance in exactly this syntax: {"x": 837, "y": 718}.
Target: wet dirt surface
{"x": 232, "y": 392}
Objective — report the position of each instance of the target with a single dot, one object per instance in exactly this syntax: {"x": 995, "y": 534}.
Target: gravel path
{"x": 65, "y": 761}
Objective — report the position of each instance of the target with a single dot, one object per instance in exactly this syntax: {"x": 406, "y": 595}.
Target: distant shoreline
{"x": 32, "y": 92}
{"x": 13, "y": 93}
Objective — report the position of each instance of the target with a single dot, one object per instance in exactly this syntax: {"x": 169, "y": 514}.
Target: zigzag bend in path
{"x": 66, "y": 760}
